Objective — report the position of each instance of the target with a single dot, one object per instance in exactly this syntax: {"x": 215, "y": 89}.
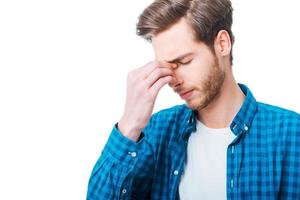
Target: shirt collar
{"x": 243, "y": 119}
{"x": 241, "y": 122}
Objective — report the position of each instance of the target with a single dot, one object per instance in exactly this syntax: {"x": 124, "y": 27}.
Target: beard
{"x": 210, "y": 88}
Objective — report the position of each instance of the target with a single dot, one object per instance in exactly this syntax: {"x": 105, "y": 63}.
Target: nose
{"x": 176, "y": 82}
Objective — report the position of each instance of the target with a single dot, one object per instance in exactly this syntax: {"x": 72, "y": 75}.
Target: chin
{"x": 197, "y": 103}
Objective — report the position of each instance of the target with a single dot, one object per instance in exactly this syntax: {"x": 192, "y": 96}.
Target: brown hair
{"x": 206, "y": 17}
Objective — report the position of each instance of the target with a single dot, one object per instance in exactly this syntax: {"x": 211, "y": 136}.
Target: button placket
{"x": 232, "y": 175}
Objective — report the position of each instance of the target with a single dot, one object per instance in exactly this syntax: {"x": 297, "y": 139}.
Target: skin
{"x": 215, "y": 93}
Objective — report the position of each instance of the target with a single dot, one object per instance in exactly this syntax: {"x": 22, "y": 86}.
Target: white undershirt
{"x": 204, "y": 175}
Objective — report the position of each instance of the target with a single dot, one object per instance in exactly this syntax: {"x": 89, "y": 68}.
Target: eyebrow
{"x": 180, "y": 57}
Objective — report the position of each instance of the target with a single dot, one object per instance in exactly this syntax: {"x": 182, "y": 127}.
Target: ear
{"x": 222, "y": 43}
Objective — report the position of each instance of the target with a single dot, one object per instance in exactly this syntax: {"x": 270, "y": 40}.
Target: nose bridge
{"x": 179, "y": 73}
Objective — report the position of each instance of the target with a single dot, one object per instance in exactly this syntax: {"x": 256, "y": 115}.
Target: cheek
{"x": 195, "y": 72}
{"x": 191, "y": 75}
{"x": 198, "y": 70}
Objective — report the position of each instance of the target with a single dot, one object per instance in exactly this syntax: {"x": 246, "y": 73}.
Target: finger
{"x": 146, "y": 70}
{"x": 157, "y": 74}
{"x": 142, "y": 68}
{"x": 159, "y": 84}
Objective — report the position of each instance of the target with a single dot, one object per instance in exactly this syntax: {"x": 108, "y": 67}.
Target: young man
{"x": 221, "y": 144}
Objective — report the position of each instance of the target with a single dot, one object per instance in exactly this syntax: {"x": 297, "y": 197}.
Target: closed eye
{"x": 184, "y": 63}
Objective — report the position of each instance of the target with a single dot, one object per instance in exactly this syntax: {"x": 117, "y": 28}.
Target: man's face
{"x": 198, "y": 72}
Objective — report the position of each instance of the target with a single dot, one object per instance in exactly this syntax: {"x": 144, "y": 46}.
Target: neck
{"x": 221, "y": 111}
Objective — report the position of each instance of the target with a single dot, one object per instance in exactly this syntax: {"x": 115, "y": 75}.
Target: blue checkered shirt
{"x": 263, "y": 161}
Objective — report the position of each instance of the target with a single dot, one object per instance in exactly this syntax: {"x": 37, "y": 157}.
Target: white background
{"x": 63, "y": 67}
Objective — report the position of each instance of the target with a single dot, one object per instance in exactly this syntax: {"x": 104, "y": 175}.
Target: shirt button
{"x": 133, "y": 154}
{"x": 234, "y": 126}
{"x": 246, "y": 127}
{"x": 191, "y": 120}
{"x": 124, "y": 191}
{"x": 176, "y": 172}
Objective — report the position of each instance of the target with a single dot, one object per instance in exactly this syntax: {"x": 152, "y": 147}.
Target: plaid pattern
{"x": 263, "y": 162}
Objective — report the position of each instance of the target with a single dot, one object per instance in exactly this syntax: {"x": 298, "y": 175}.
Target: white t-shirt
{"x": 204, "y": 175}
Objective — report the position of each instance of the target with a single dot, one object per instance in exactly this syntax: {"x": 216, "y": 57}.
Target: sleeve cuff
{"x": 122, "y": 148}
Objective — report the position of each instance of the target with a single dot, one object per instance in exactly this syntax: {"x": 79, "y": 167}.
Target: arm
{"x": 127, "y": 158}
{"x": 113, "y": 174}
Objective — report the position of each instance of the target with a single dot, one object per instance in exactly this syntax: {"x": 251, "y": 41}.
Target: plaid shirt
{"x": 263, "y": 161}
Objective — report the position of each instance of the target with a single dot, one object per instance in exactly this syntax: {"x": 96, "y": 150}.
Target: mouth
{"x": 186, "y": 95}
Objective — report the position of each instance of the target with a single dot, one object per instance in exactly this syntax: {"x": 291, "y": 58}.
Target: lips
{"x": 186, "y": 94}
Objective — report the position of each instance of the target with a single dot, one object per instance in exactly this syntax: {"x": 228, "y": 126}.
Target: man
{"x": 221, "y": 144}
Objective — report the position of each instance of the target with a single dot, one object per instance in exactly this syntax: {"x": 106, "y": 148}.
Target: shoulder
{"x": 273, "y": 111}
{"x": 284, "y": 122}
{"x": 172, "y": 113}
{"x": 168, "y": 122}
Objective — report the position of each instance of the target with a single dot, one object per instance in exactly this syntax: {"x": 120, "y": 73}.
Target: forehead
{"x": 175, "y": 41}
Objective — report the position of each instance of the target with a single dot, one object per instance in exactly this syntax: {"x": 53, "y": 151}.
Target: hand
{"x": 143, "y": 85}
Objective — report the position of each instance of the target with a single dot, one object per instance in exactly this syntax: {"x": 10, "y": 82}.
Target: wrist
{"x": 128, "y": 130}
